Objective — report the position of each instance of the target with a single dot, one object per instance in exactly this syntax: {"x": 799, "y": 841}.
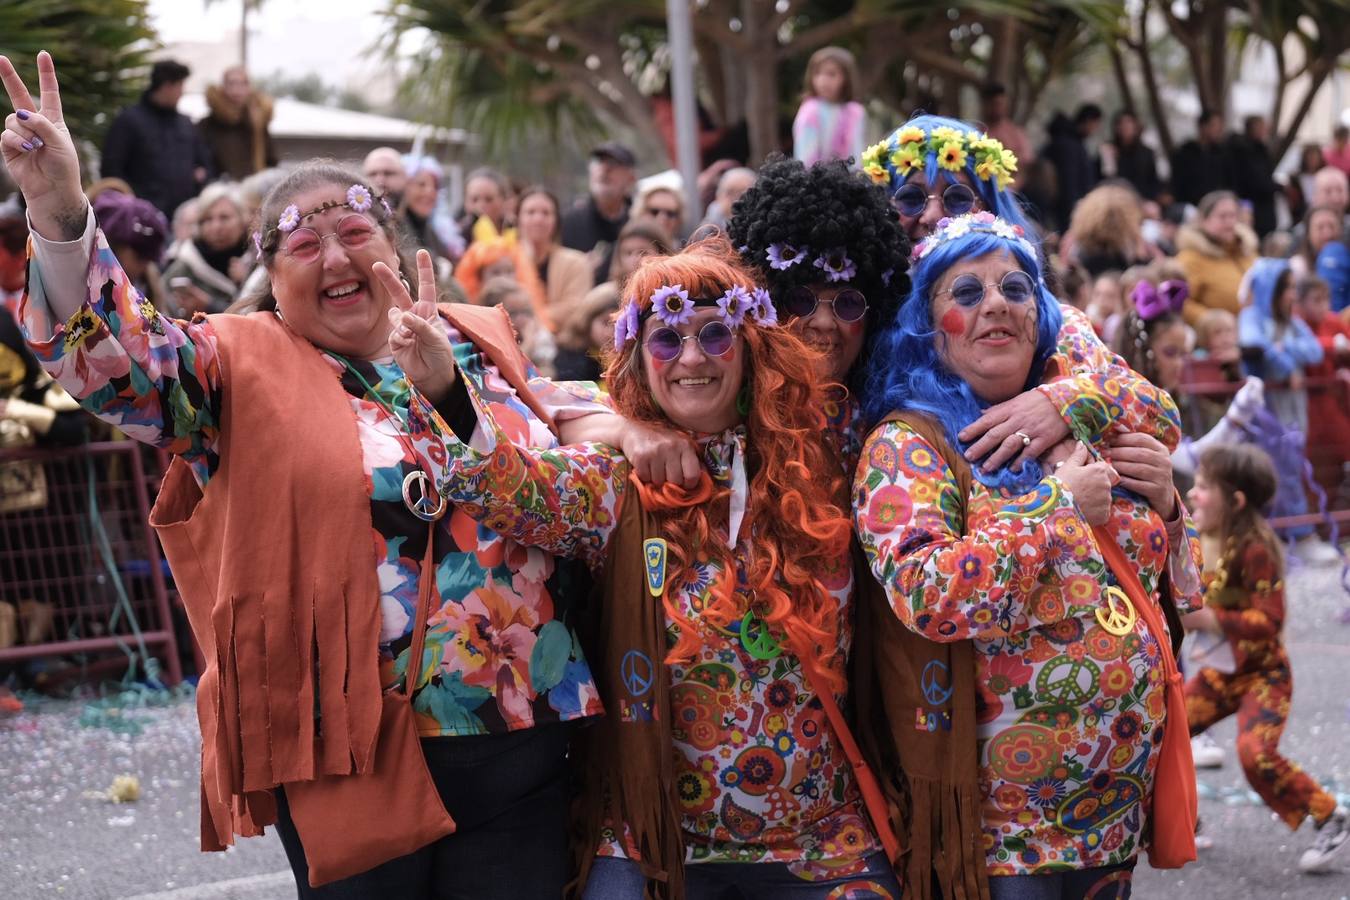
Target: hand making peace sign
{"x": 40, "y": 155}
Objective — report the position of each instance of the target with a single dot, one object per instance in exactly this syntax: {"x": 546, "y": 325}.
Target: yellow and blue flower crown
{"x": 907, "y": 150}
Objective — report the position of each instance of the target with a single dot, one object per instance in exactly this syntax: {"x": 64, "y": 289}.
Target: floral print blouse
{"x": 507, "y": 658}
{"x": 1070, "y": 714}
{"x": 758, "y": 771}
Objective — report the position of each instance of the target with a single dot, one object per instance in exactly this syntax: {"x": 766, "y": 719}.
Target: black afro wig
{"x": 822, "y": 208}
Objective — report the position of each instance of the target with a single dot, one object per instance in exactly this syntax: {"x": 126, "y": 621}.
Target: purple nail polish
{"x": 27, "y": 147}
{"x": 22, "y": 114}
{"x": 37, "y": 143}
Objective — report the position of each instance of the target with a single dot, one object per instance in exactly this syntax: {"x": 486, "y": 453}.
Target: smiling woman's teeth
{"x": 687, "y": 382}
{"x": 343, "y": 291}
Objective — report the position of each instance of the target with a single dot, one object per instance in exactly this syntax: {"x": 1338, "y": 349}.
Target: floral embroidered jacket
{"x": 506, "y": 656}
{"x": 759, "y": 773}
{"x": 1069, "y": 712}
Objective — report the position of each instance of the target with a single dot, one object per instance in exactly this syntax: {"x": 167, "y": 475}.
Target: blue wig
{"x": 1001, "y": 203}
{"x": 906, "y": 371}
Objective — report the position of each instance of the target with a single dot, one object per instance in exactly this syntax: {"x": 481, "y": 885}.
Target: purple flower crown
{"x": 359, "y": 199}
{"x": 672, "y": 304}
{"x": 835, "y": 263}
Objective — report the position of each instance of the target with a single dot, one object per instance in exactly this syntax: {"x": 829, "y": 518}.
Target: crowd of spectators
{"x": 178, "y": 200}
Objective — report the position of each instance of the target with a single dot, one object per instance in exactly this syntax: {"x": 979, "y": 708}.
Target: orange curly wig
{"x": 481, "y": 254}
{"x": 797, "y": 508}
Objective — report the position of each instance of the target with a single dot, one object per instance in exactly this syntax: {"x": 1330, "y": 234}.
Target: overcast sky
{"x": 295, "y": 36}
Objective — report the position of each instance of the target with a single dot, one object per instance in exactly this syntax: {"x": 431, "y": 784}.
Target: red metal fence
{"x": 84, "y": 571}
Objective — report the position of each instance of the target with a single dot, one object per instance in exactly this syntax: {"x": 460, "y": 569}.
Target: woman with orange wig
{"x": 725, "y": 624}
{"x": 502, "y": 256}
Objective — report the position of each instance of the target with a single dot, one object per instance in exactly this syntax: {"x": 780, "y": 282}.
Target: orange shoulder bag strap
{"x": 1174, "y": 789}
{"x": 873, "y": 798}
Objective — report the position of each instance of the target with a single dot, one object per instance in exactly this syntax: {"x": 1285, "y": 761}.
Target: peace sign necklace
{"x": 757, "y": 639}
{"x": 419, "y": 494}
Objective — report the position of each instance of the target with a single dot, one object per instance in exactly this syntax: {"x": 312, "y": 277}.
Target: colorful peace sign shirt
{"x": 1070, "y": 712}
{"x": 507, "y": 658}
{"x": 759, "y": 774}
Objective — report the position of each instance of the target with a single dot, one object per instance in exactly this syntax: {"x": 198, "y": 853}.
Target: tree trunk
{"x": 1122, "y": 82}
{"x": 1155, "y": 101}
{"x": 1317, "y": 74}
{"x": 1005, "y": 52}
{"x": 761, "y": 81}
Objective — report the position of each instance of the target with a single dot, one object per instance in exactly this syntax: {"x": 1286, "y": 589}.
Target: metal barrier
{"x": 85, "y": 571}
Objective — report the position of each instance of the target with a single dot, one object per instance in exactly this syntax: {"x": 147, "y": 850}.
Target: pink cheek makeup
{"x": 953, "y": 323}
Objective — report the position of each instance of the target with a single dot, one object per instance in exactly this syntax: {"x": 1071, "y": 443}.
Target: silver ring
{"x": 1059, "y": 465}
{"x": 1026, "y": 438}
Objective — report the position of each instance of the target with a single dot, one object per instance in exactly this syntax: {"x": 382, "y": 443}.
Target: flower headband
{"x": 1151, "y": 302}
{"x": 835, "y": 263}
{"x": 907, "y": 151}
{"x": 359, "y": 199}
{"x": 672, "y": 304}
{"x": 951, "y": 229}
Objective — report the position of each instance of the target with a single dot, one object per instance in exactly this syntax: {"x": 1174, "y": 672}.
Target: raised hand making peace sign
{"x": 40, "y": 154}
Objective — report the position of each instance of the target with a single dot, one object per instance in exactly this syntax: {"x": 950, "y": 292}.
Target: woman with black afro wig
{"x": 831, "y": 251}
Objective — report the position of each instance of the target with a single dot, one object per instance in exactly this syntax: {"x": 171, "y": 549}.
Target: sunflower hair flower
{"x": 952, "y": 156}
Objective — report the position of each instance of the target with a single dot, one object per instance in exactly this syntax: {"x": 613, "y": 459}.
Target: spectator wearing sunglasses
{"x": 663, "y": 206}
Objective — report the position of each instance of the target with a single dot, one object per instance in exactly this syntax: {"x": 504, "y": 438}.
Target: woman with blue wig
{"x": 997, "y": 569}
{"x": 937, "y": 168}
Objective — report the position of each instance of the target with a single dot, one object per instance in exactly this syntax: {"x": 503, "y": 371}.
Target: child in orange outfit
{"x": 1244, "y": 601}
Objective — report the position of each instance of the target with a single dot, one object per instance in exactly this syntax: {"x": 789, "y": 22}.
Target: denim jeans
{"x": 508, "y": 796}
{"x": 1105, "y": 883}
{"x": 614, "y": 878}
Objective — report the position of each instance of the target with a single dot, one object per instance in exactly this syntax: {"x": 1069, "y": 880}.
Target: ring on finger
{"x": 1026, "y": 438}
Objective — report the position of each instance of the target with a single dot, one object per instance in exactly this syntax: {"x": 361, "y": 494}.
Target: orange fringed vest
{"x": 276, "y": 565}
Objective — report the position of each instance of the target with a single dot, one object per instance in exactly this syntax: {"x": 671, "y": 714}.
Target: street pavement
{"x": 59, "y": 839}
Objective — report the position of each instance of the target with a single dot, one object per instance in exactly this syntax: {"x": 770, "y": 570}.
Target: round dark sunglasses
{"x": 848, "y": 305}
{"x": 911, "y": 198}
{"x": 968, "y": 290}
{"x": 666, "y": 344}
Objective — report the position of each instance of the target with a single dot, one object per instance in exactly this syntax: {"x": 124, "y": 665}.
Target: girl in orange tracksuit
{"x": 1244, "y": 601}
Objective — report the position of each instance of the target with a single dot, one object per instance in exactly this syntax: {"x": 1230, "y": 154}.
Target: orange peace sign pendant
{"x": 1119, "y": 615}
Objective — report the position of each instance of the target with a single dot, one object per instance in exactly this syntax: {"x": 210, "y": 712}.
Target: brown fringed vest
{"x": 276, "y": 567}
{"x": 915, "y": 707}
{"x": 626, "y": 760}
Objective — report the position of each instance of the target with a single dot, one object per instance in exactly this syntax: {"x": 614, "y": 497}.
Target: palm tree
{"x": 101, "y": 48}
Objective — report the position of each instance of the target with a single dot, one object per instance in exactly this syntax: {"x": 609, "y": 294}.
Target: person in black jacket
{"x": 1075, "y": 172}
{"x": 1201, "y": 165}
{"x": 1254, "y": 172}
{"x": 155, "y": 148}
{"x": 1127, "y": 157}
